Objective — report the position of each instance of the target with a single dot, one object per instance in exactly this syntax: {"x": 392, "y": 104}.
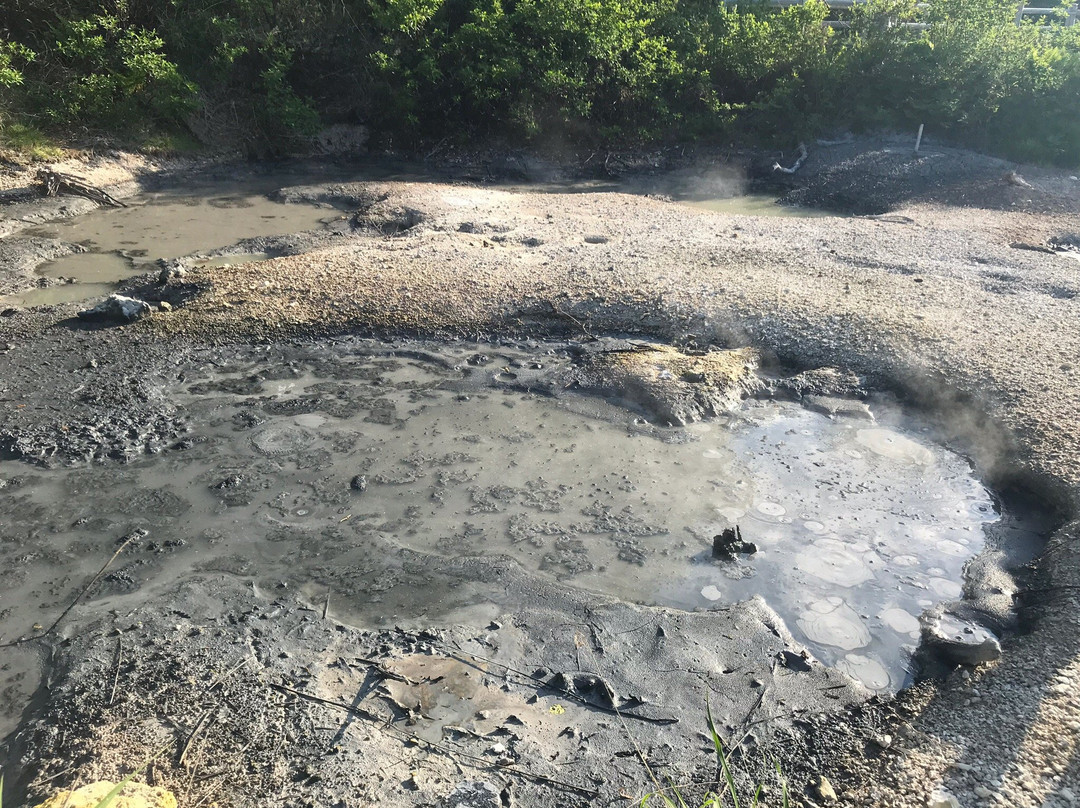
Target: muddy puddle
{"x": 330, "y": 470}
{"x": 121, "y": 243}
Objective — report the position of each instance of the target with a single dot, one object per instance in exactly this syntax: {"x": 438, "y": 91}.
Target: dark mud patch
{"x": 869, "y": 179}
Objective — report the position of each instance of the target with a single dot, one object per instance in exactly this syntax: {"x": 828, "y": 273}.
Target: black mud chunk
{"x": 835, "y": 407}
{"x": 952, "y": 640}
{"x": 729, "y": 543}
{"x": 795, "y": 662}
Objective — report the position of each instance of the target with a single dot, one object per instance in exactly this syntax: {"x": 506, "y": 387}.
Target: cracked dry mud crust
{"x": 932, "y": 302}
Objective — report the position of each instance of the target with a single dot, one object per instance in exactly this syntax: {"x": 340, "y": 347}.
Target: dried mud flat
{"x": 260, "y": 696}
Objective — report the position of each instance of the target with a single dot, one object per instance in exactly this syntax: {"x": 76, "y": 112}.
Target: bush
{"x": 106, "y": 75}
{"x": 577, "y": 71}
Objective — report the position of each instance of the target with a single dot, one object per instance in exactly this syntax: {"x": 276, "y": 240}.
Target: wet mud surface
{"x": 301, "y": 466}
{"x": 429, "y": 573}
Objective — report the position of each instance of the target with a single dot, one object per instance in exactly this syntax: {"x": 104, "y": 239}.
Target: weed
{"x": 108, "y": 799}
{"x": 727, "y": 789}
{"x": 28, "y": 144}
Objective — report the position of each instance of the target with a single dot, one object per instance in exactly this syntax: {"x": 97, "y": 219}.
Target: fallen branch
{"x": 54, "y": 183}
{"x": 794, "y": 166}
{"x": 138, "y": 534}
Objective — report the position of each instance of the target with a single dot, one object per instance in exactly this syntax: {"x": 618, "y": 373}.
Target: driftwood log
{"x": 794, "y": 166}
{"x": 53, "y": 183}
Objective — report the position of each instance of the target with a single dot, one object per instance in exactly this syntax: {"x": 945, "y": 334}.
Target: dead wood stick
{"x": 794, "y": 166}
{"x": 55, "y": 183}
{"x": 198, "y": 728}
{"x": 116, "y": 675}
{"x": 388, "y": 726}
{"x": 138, "y": 534}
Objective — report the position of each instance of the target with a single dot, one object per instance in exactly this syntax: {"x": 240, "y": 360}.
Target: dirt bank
{"x": 947, "y": 305}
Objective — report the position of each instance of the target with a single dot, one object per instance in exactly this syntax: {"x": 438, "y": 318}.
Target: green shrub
{"x": 112, "y": 76}
{"x": 577, "y": 71}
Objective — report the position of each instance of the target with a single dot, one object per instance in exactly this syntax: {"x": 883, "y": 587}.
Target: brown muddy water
{"x": 303, "y": 464}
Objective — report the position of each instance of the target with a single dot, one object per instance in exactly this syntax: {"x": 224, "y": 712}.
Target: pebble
{"x": 943, "y": 799}
{"x": 824, "y": 790}
{"x": 883, "y": 740}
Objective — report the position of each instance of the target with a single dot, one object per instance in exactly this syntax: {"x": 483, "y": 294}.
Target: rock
{"x": 726, "y": 544}
{"x": 134, "y": 795}
{"x": 170, "y": 272}
{"x": 117, "y": 308}
{"x": 884, "y": 741}
{"x": 942, "y": 799}
{"x": 1013, "y": 178}
{"x": 474, "y": 794}
{"x": 10, "y": 312}
{"x": 823, "y": 790}
{"x": 835, "y": 407}
{"x": 829, "y": 382}
{"x": 956, "y": 641}
{"x": 358, "y": 483}
{"x": 673, "y": 387}
{"x": 165, "y": 305}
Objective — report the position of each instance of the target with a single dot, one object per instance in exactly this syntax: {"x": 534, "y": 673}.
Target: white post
{"x": 918, "y": 139}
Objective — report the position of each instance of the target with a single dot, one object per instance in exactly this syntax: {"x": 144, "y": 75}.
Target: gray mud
{"x": 567, "y": 539}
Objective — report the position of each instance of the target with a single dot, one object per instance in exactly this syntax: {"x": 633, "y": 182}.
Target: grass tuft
{"x": 727, "y": 791}
{"x": 26, "y": 144}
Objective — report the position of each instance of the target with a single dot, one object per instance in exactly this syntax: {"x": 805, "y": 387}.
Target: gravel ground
{"x": 947, "y": 305}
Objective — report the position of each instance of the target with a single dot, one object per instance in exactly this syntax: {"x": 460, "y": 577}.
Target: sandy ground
{"x": 942, "y": 304}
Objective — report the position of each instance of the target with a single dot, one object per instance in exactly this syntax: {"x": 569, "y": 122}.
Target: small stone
{"x": 883, "y": 740}
{"x": 359, "y": 483}
{"x": 165, "y": 305}
{"x": 982, "y": 791}
{"x": 943, "y": 799}
{"x": 824, "y": 790}
{"x": 494, "y": 625}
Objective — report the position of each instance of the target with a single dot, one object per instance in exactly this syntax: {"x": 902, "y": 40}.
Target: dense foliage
{"x": 578, "y": 71}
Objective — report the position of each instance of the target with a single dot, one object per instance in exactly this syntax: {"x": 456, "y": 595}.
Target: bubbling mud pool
{"x": 304, "y": 464}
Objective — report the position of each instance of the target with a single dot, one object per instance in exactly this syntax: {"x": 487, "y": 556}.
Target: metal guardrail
{"x": 1073, "y": 13}
{"x": 1024, "y": 10}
